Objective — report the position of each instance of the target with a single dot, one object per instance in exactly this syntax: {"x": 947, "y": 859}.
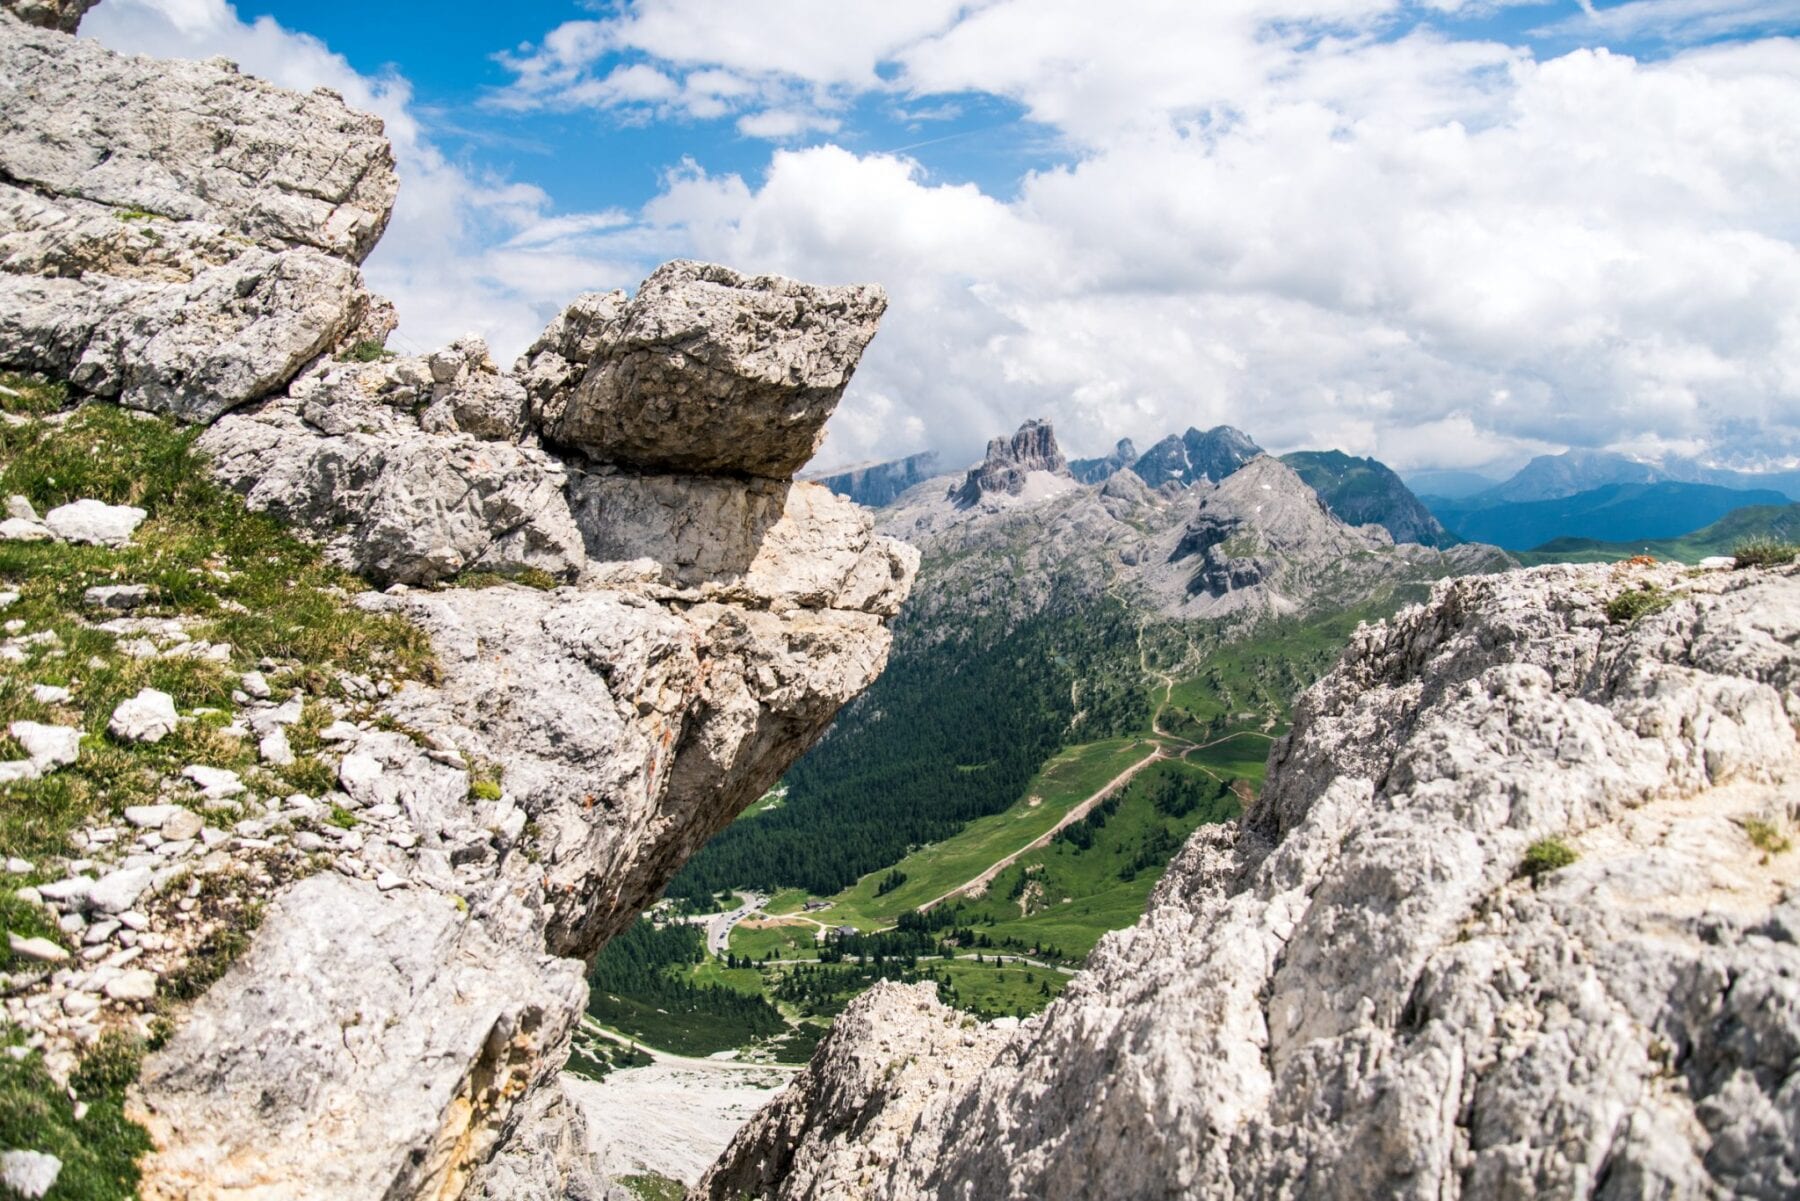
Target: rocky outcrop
{"x": 715, "y": 625}
{"x": 185, "y": 240}
{"x": 1010, "y": 464}
{"x": 64, "y": 15}
{"x": 174, "y": 234}
{"x": 1380, "y": 983}
{"x": 706, "y": 370}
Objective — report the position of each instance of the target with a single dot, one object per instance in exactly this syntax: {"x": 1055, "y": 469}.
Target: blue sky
{"x": 1446, "y": 232}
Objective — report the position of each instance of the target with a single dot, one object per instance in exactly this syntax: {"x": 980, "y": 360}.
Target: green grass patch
{"x": 1064, "y": 782}
{"x": 1634, "y": 603}
{"x": 778, "y": 942}
{"x": 367, "y": 351}
{"x": 1766, "y": 836}
{"x": 1544, "y": 856}
{"x": 1764, "y": 552}
{"x": 30, "y": 395}
{"x": 99, "y": 1153}
{"x": 651, "y": 1186}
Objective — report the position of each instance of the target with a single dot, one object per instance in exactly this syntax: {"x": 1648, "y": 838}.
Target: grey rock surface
{"x": 147, "y": 717}
{"x": 174, "y": 234}
{"x": 706, "y": 370}
{"x": 1356, "y": 992}
{"x": 94, "y": 523}
{"x": 63, "y": 15}
{"x": 345, "y": 455}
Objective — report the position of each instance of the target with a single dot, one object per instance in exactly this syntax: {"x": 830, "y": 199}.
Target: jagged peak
{"x": 1011, "y": 461}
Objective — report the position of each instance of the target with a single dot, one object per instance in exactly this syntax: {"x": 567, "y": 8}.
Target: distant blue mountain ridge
{"x": 1616, "y": 512}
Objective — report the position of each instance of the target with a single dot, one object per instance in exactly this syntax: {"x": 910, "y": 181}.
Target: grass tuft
{"x": 1544, "y": 856}
{"x": 100, "y": 1152}
{"x": 1634, "y": 603}
{"x": 1766, "y": 836}
{"x": 1763, "y": 552}
{"x": 368, "y": 351}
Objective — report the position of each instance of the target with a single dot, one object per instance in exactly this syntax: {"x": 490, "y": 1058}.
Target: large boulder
{"x": 174, "y": 234}
{"x": 704, "y": 370}
{"x": 64, "y": 15}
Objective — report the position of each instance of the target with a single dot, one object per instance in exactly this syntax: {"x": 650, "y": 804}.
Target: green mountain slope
{"x": 1366, "y": 491}
{"x": 1778, "y": 522}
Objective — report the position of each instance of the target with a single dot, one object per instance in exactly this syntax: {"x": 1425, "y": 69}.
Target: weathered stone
{"x": 708, "y": 371}
{"x": 51, "y": 694}
{"x": 121, "y": 598}
{"x": 147, "y": 717}
{"x": 118, "y": 891}
{"x": 49, "y": 747}
{"x": 176, "y": 234}
{"x": 19, "y": 509}
{"x": 407, "y": 1035}
{"x": 149, "y": 817}
{"x": 470, "y": 396}
{"x": 274, "y": 748}
{"x": 397, "y": 504}
{"x": 214, "y": 783}
{"x": 15, "y": 529}
{"x": 133, "y": 985}
{"x": 94, "y": 522}
{"x": 32, "y": 1174}
{"x": 40, "y": 950}
{"x": 181, "y": 825}
{"x": 1356, "y": 991}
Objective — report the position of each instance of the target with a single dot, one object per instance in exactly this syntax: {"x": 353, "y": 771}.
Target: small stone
{"x": 135, "y": 920}
{"x": 255, "y": 685}
{"x": 215, "y": 783}
{"x": 19, "y": 867}
{"x": 274, "y": 748}
{"x": 309, "y": 842}
{"x": 15, "y": 530}
{"x": 80, "y": 1004}
{"x": 1717, "y": 563}
{"x": 134, "y": 985}
{"x": 118, "y": 891}
{"x": 183, "y": 825}
{"x": 31, "y": 1174}
{"x": 71, "y": 923}
{"x": 118, "y": 598}
{"x": 48, "y": 746}
{"x": 8, "y": 599}
{"x": 94, "y": 523}
{"x": 150, "y": 817}
{"x": 73, "y": 891}
{"x": 39, "y": 950}
{"x": 147, "y": 717}
{"x": 388, "y": 881}
{"x": 19, "y": 509}
{"x": 14, "y": 771}
{"x": 213, "y": 837}
{"x": 340, "y": 731}
{"x": 100, "y": 932}
{"x": 50, "y": 694}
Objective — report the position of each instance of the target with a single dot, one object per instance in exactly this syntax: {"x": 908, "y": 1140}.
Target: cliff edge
{"x": 1515, "y": 915}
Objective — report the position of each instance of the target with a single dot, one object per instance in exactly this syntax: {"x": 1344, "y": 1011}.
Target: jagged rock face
{"x": 370, "y": 457}
{"x": 881, "y": 483}
{"x": 1356, "y": 993}
{"x": 174, "y": 234}
{"x": 1010, "y": 463}
{"x": 1195, "y": 456}
{"x": 63, "y": 15}
{"x": 708, "y": 371}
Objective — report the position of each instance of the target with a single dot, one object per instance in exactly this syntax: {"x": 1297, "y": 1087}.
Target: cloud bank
{"x": 1331, "y": 222}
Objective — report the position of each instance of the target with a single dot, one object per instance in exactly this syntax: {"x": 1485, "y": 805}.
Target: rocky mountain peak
{"x": 1195, "y": 456}
{"x": 1010, "y": 462}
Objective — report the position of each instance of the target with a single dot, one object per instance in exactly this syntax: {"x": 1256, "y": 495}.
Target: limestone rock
{"x": 121, "y": 598}
{"x": 147, "y": 717}
{"x": 1356, "y": 992}
{"x": 343, "y": 456}
{"x": 709, "y": 371}
{"x": 175, "y": 234}
{"x": 41, "y": 950}
{"x": 48, "y": 747}
{"x": 470, "y": 396}
{"x": 17, "y": 529}
{"x": 32, "y": 1174}
{"x": 406, "y": 1038}
{"x": 94, "y": 523}
{"x": 63, "y": 15}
